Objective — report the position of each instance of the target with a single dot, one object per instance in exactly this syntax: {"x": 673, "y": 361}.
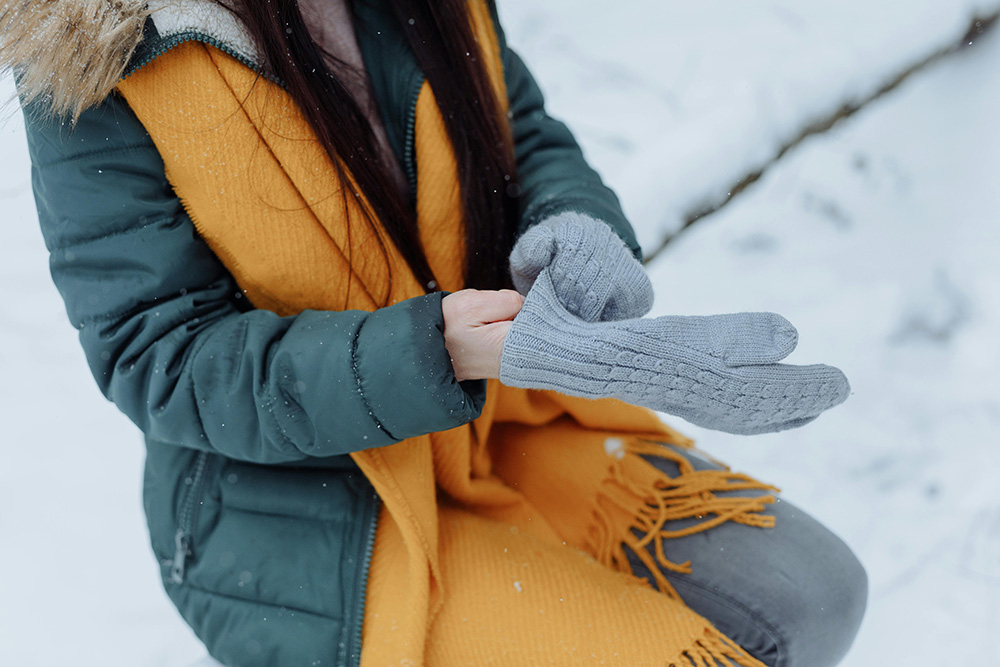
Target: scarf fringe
{"x": 716, "y": 650}
{"x": 690, "y": 495}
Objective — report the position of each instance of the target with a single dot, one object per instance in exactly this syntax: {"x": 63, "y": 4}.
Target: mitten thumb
{"x": 532, "y": 253}
{"x": 737, "y": 339}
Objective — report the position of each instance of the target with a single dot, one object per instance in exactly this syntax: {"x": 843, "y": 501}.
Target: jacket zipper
{"x": 371, "y": 516}
{"x": 409, "y": 143}
{"x": 188, "y": 513}
{"x": 186, "y": 517}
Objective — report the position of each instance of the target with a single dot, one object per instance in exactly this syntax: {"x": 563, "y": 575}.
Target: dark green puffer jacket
{"x": 263, "y": 526}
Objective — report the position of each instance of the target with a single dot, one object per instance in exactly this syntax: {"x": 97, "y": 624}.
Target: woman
{"x": 261, "y": 218}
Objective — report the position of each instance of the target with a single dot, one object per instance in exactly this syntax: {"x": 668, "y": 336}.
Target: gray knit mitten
{"x": 596, "y": 276}
{"x": 719, "y": 372}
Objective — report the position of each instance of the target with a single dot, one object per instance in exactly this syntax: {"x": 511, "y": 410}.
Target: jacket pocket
{"x": 187, "y": 515}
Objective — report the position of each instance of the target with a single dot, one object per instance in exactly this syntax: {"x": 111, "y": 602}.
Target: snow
{"x": 78, "y": 583}
{"x": 704, "y": 93}
{"x": 878, "y": 239}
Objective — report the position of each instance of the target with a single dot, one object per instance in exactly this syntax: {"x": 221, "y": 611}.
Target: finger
{"x": 496, "y": 306}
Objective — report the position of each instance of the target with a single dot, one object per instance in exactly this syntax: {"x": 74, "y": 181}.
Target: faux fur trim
{"x": 71, "y": 52}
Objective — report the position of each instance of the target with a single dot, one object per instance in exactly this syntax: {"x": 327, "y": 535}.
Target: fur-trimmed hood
{"x": 72, "y": 52}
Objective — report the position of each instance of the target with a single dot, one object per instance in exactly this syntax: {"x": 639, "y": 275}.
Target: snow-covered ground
{"x": 878, "y": 239}
{"x": 676, "y": 101}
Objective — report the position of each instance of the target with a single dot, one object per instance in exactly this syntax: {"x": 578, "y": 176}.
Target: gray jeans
{"x": 792, "y": 595}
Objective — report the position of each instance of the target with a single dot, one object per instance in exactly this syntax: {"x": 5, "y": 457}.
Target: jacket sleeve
{"x": 173, "y": 342}
{"x": 553, "y": 174}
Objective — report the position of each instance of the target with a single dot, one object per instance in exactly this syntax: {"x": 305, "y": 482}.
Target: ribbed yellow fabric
{"x": 500, "y": 542}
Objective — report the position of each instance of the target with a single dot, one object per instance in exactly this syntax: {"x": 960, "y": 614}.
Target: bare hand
{"x": 475, "y": 325}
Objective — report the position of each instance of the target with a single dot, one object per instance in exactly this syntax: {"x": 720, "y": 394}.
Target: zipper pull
{"x": 182, "y": 549}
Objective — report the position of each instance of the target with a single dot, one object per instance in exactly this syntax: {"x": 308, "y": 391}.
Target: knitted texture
{"x": 535, "y": 465}
{"x": 719, "y": 372}
{"x": 595, "y": 275}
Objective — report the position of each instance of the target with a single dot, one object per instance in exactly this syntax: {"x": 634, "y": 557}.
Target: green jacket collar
{"x": 395, "y": 76}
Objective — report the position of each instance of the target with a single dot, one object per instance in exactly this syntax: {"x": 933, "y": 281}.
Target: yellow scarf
{"x": 500, "y": 541}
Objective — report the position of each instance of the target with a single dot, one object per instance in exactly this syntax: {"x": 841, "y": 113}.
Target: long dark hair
{"x": 440, "y": 34}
